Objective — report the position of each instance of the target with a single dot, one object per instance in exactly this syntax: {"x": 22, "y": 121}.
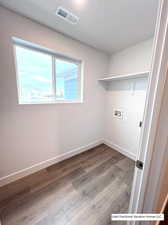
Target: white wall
{"x": 133, "y": 59}
{"x": 128, "y": 96}
{"x": 32, "y": 134}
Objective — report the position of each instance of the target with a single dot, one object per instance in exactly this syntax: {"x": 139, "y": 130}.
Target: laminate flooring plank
{"x": 97, "y": 171}
{"x": 83, "y": 190}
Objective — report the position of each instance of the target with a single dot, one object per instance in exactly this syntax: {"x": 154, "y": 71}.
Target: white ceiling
{"x": 108, "y": 25}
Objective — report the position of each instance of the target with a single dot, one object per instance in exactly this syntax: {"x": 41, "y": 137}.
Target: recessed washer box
{"x": 118, "y": 113}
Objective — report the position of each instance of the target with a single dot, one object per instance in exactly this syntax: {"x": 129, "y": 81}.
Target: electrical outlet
{"x": 118, "y": 114}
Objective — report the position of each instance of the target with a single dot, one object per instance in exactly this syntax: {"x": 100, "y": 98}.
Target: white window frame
{"x": 54, "y": 55}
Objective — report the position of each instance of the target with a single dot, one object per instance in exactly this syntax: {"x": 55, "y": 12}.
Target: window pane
{"x": 66, "y": 80}
{"x": 34, "y": 75}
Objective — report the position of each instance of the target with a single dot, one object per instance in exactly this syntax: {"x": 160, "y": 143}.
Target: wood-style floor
{"x": 83, "y": 190}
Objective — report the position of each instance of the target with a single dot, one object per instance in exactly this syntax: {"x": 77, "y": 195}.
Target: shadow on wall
{"x": 138, "y": 84}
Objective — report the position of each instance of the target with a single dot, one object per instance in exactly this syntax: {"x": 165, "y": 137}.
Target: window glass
{"x": 66, "y": 80}
{"x": 35, "y": 75}
{"x": 44, "y": 77}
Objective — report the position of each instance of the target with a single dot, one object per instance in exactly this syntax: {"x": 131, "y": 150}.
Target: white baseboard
{"x": 35, "y": 168}
{"x": 119, "y": 149}
{"x": 27, "y": 171}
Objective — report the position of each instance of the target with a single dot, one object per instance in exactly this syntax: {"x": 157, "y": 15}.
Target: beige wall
{"x": 32, "y": 134}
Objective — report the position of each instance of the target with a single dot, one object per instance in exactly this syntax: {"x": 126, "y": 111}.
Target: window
{"x": 46, "y": 77}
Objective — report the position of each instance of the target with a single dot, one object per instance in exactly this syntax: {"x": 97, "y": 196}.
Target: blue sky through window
{"x": 35, "y": 76}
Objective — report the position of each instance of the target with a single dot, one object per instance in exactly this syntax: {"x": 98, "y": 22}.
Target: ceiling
{"x": 108, "y": 25}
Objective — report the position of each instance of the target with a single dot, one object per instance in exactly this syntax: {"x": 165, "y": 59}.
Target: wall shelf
{"x": 126, "y": 76}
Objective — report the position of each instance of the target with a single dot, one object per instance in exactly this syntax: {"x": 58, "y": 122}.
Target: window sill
{"x": 50, "y": 103}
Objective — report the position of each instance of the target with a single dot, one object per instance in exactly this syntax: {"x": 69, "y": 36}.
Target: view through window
{"x": 46, "y": 78}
